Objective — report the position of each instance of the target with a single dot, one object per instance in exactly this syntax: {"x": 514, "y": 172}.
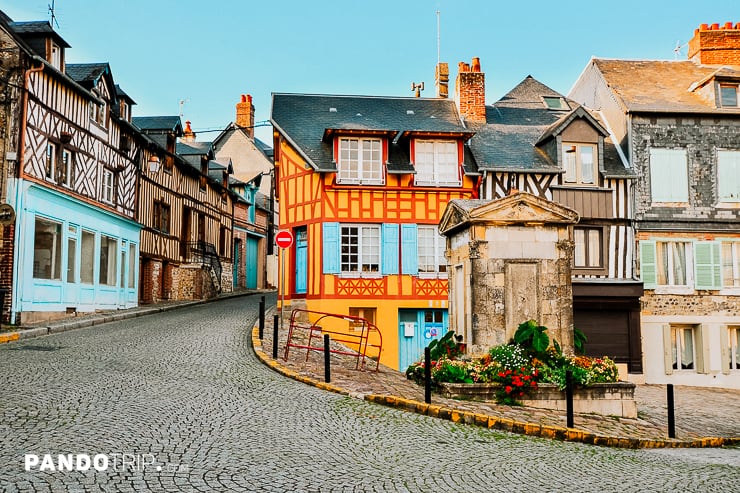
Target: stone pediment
{"x": 518, "y": 208}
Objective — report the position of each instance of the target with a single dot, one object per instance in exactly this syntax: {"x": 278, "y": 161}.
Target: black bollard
{"x": 327, "y": 360}
{"x": 671, "y": 416}
{"x": 427, "y": 375}
{"x": 569, "y": 398}
{"x": 275, "y": 336}
{"x": 262, "y": 318}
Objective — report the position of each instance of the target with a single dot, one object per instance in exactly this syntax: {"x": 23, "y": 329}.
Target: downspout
{"x": 16, "y": 283}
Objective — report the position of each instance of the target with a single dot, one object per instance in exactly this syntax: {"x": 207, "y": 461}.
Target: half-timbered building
{"x": 678, "y": 124}
{"x": 251, "y": 223}
{"x": 535, "y": 140}
{"x": 186, "y": 216}
{"x": 73, "y": 186}
{"x": 362, "y": 183}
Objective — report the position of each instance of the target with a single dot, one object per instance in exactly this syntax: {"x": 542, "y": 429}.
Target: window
{"x": 360, "y": 161}
{"x": 431, "y": 246}
{"x": 161, "y": 217}
{"x": 734, "y": 347}
{"x": 361, "y": 312}
{"x": 588, "y": 248}
{"x": 108, "y": 249}
{"x": 87, "y": 268}
{"x": 133, "y": 262}
{"x": 436, "y": 163}
{"x": 71, "y": 254}
{"x": 683, "y": 347}
{"x": 731, "y": 264}
{"x": 56, "y": 56}
{"x": 728, "y": 95}
{"x": 51, "y": 158}
{"x": 728, "y": 176}
{"x": 672, "y": 269}
{"x": 97, "y": 113}
{"x": 360, "y": 249}
{"x": 579, "y": 161}
{"x": 108, "y": 186}
{"x": 47, "y": 250}
{"x": 222, "y": 246}
{"x": 123, "y": 269}
{"x": 669, "y": 181}
{"x": 66, "y": 169}
{"x": 555, "y": 103}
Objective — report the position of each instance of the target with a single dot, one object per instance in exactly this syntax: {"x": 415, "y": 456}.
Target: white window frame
{"x": 108, "y": 270}
{"x": 437, "y": 163}
{"x": 733, "y": 333}
{"x": 431, "y": 248}
{"x": 573, "y": 164}
{"x": 51, "y": 160}
{"x": 56, "y": 250}
{"x": 586, "y": 246}
{"x": 67, "y": 164}
{"x": 679, "y": 350}
{"x": 671, "y": 161}
{"x": 107, "y": 185}
{"x": 728, "y": 172}
{"x": 737, "y": 96}
{"x": 367, "y": 254}
{"x": 669, "y": 274}
{"x": 360, "y": 161}
{"x": 730, "y": 264}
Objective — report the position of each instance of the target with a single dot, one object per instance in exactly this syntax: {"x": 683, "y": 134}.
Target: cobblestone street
{"x": 183, "y": 391}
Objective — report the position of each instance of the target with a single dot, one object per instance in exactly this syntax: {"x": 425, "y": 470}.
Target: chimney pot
{"x": 249, "y": 98}
{"x": 728, "y": 25}
{"x": 715, "y": 26}
{"x": 476, "y": 64}
{"x": 704, "y": 27}
{"x": 244, "y": 98}
{"x": 737, "y": 26}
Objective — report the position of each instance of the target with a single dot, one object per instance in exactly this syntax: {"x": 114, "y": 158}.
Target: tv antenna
{"x": 438, "y": 38}
{"x": 52, "y": 14}
{"x": 678, "y": 48}
{"x": 182, "y": 104}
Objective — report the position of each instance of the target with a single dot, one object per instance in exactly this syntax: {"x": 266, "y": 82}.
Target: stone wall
{"x": 703, "y": 303}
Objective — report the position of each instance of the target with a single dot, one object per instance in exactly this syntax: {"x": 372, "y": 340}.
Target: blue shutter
{"x": 330, "y": 248}
{"x": 707, "y": 265}
{"x": 647, "y": 264}
{"x": 409, "y": 250}
{"x": 389, "y": 241}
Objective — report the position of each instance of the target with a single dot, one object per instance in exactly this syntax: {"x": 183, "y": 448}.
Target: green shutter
{"x": 330, "y": 248}
{"x": 707, "y": 265}
{"x": 669, "y": 175}
{"x": 409, "y": 250}
{"x": 647, "y": 264}
{"x": 389, "y": 240}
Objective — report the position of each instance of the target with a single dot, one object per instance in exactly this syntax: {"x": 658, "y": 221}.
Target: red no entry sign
{"x": 284, "y": 239}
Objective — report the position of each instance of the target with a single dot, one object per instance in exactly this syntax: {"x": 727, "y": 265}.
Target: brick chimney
{"x": 188, "y": 135}
{"x": 442, "y": 80}
{"x": 245, "y": 114}
{"x": 470, "y": 91}
{"x": 716, "y": 45}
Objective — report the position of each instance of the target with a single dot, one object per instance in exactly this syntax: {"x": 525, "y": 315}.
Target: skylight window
{"x": 555, "y": 103}
{"x": 728, "y": 95}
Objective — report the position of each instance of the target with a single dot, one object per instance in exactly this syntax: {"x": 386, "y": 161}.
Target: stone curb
{"x": 65, "y": 325}
{"x": 492, "y": 422}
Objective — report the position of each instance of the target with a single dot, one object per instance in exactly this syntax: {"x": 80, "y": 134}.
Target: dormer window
{"x": 56, "y": 56}
{"x": 555, "y": 103}
{"x": 579, "y": 162}
{"x": 360, "y": 161}
{"x": 728, "y": 95}
{"x": 97, "y": 113}
{"x": 125, "y": 115}
{"x": 437, "y": 163}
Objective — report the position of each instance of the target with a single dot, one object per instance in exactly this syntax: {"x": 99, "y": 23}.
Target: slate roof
{"x": 86, "y": 74}
{"x": 158, "y": 123}
{"x": 662, "y": 86}
{"x": 520, "y": 120}
{"x": 121, "y": 94}
{"x": 38, "y": 28}
{"x": 306, "y": 119}
{"x": 193, "y": 148}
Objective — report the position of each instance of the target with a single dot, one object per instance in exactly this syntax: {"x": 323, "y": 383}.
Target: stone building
{"x": 678, "y": 124}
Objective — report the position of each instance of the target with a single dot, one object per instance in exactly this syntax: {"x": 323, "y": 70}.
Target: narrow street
{"x": 178, "y": 402}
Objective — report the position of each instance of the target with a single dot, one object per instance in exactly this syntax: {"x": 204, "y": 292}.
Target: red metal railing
{"x": 356, "y": 335}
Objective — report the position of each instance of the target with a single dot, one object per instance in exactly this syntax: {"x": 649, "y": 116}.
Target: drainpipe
{"x": 16, "y": 283}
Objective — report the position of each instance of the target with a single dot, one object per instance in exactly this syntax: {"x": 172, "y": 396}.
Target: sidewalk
{"x": 704, "y": 416}
{"x": 87, "y": 320}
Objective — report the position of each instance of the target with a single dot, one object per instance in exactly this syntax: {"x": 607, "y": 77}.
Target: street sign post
{"x": 284, "y": 239}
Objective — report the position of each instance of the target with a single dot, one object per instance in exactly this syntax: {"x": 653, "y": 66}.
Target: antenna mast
{"x": 53, "y": 14}
{"x": 438, "y": 37}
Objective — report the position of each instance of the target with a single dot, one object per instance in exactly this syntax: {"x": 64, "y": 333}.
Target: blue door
{"x": 250, "y": 259}
{"x": 301, "y": 260}
{"x": 417, "y": 328}
{"x": 237, "y": 247}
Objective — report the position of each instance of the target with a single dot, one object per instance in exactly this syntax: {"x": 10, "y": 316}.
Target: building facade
{"x": 678, "y": 124}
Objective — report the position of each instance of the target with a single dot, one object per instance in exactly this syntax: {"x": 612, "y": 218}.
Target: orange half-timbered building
{"x": 362, "y": 184}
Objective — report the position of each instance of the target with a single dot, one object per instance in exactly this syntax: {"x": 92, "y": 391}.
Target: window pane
{"x": 579, "y": 236}
{"x": 87, "y": 268}
{"x": 728, "y": 175}
{"x": 735, "y": 347}
{"x": 669, "y": 175}
{"x": 133, "y": 262}
{"x": 587, "y": 164}
{"x": 47, "y": 250}
{"x": 350, "y": 249}
{"x": 569, "y": 161}
{"x": 51, "y": 156}
{"x": 108, "y": 248}
{"x": 687, "y": 349}
{"x": 71, "y": 259}
{"x": 731, "y": 264}
{"x": 679, "y": 264}
{"x": 594, "y": 248}
{"x": 123, "y": 269}
{"x": 675, "y": 342}
{"x": 728, "y": 95}
{"x": 370, "y": 249}
{"x": 424, "y": 163}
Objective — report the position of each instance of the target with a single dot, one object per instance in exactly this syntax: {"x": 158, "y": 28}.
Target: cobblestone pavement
{"x": 183, "y": 392}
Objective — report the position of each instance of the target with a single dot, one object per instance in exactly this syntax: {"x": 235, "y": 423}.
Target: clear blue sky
{"x": 210, "y": 52}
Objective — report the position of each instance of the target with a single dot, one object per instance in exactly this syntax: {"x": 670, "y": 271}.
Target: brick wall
{"x": 470, "y": 92}
{"x": 7, "y": 248}
{"x": 716, "y": 44}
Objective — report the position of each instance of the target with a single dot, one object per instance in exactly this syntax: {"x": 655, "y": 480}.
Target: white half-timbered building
{"x": 536, "y": 140}
{"x": 73, "y": 185}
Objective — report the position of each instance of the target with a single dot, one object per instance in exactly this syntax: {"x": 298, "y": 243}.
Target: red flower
{"x": 508, "y": 389}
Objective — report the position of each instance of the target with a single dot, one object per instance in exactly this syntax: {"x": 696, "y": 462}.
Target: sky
{"x": 196, "y": 58}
